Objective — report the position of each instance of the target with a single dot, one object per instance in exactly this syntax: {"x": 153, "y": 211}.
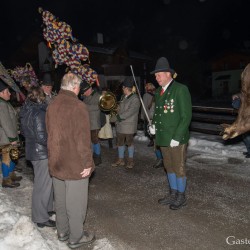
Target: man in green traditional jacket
{"x": 172, "y": 117}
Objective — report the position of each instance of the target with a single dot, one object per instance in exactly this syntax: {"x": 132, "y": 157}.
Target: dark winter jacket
{"x": 33, "y": 128}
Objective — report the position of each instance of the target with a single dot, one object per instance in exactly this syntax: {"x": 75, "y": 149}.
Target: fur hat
{"x": 47, "y": 80}
{"x": 162, "y": 65}
{"x": 3, "y": 85}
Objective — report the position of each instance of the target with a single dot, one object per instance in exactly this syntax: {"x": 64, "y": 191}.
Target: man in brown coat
{"x": 70, "y": 160}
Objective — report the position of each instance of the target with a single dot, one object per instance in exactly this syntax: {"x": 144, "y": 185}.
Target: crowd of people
{"x": 62, "y": 141}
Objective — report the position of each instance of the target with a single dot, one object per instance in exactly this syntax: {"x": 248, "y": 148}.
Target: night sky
{"x": 156, "y": 28}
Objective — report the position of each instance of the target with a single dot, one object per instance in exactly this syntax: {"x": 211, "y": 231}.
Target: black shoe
{"x": 247, "y": 155}
{"x": 51, "y": 213}
{"x": 170, "y": 199}
{"x": 179, "y": 202}
{"x": 158, "y": 164}
{"x": 49, "y": 223}
{"x": 151, "y": 144}
{"x": 87, "y": 238}
{"x": 63, "y": 236}
{"x": 97, "y": 159}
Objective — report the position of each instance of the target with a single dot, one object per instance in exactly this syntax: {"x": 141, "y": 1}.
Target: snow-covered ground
{"x": 18, "y": 232}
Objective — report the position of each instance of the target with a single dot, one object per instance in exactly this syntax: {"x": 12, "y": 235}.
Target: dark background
{"x": 153, "y": 27}
{"x": 189, "y": 33}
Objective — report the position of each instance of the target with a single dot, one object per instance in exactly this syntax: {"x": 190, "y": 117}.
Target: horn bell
{"x": 108, "y": 102}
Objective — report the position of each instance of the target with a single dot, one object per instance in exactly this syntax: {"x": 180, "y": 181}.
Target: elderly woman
{"x": 33, "y": 128}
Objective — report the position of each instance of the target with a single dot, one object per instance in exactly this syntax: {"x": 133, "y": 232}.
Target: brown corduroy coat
{"x": 69, "y": 144}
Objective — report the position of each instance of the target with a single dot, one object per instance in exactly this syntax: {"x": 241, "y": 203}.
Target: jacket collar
{"x": 67, "y": 92}
{"x": 2, "y": 100}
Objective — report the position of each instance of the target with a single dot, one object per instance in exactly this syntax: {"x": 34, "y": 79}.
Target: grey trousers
{"x": 71, "y": 199}
{"x": 42, "y": 194}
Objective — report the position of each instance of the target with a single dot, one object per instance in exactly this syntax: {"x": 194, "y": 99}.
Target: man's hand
{"x": 236, "y": 96}
{"x": 85, "y": 172}
{"x": 174, "y": 143}
{"x": 151, "y": 129}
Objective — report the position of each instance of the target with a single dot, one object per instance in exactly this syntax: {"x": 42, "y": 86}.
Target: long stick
{"x": 139, "y": 94}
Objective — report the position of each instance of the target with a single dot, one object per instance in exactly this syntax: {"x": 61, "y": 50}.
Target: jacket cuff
{"x": 13, "y": 139}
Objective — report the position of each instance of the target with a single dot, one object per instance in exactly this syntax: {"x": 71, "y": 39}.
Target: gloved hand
{"x": 174, "y": 143}
{"x": 151, "y": 129}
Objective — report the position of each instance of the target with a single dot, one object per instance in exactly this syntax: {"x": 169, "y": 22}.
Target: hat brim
{"x": 48, "y": 84}
{"x": 162, "y": 70}
{"x": 83, "y": 90}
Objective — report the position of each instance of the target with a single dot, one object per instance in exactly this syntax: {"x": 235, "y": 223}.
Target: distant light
{"x": 166, "y": 1}
{"x": 183, "y": 44}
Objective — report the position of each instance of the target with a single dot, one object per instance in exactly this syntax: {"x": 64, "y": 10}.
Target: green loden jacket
{"x": 173, "y": 113}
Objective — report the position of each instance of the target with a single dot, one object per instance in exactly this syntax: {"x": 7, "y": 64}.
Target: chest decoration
{"x": 168, "y": 106}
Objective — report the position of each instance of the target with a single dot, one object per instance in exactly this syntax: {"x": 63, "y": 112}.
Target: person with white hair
{"x": 70, "y": 160}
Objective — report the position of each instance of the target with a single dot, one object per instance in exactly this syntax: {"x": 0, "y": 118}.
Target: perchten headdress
{"x": 65, "y": 48}
{"x": 5, "y": 76}
{"x": 25, "y": 75}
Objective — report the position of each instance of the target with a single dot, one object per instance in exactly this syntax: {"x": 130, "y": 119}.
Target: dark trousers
{"x": 42, "y": 196}
{"x": 246, "y": 140}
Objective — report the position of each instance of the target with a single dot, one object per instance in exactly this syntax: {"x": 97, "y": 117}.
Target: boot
{"x": 110, "y": 142}
{"x": 179, "y": 202}
{"x": 8, "y": 183}
{"x": 17, "y": 169}
{"x": 158, "y": 163}
{"x": 130, "y": 163}
{"x": 170, "y": 199}
{"x": 14, "y": 177}
{"x": 97, "y": 159}
{"x": 151, "y": 143}
{"x": 119, "y": 163}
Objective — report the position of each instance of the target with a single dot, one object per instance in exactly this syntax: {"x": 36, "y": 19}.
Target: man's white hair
{"x": 70, "y": 81}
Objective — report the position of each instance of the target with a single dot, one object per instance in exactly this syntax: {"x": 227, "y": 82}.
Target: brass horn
{"x": 14, "y": 152}
{"x": 108, "y": 102}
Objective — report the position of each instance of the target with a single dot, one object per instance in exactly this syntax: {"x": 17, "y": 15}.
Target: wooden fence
{"x": 208, "y": 119}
